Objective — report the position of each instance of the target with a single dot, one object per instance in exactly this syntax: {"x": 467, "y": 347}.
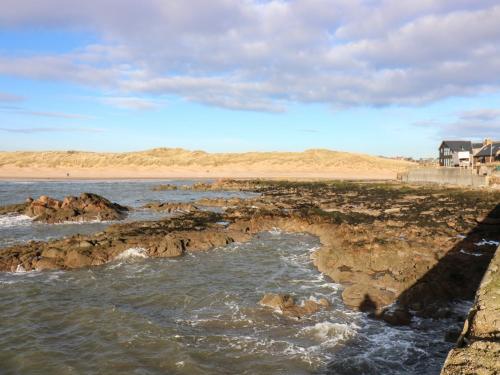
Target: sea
{"x": 196, "y": 314}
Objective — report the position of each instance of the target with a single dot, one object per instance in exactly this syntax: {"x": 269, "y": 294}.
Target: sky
{"x": 380, "y": 77}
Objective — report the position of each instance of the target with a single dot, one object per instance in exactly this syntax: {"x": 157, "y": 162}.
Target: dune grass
{"x": 316, "y": 159}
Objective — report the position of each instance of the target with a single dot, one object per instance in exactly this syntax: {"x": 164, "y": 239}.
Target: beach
{"x": 178, "y": 163}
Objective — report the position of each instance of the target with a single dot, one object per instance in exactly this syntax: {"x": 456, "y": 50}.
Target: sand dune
{"x": 167, "y": 163}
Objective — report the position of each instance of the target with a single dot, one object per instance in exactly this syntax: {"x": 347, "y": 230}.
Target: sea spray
{"x": 133, "y": 252}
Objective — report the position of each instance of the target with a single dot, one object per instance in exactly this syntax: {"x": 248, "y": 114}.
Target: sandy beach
{"x": 16, "y": 173}
{"x": 177, "y": 163}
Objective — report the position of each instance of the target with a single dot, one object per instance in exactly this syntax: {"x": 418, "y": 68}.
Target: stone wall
{"x": 478, "y": 348}
{"x": 451, "y": 176}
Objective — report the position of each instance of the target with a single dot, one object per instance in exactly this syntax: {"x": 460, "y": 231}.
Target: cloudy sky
{"x": 383, "y": 77}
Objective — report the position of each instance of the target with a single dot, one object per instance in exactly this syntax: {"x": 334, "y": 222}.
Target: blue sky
{"x": 366, "y": 76}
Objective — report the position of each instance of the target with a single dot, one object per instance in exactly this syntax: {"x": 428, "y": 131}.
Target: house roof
{"x": 487, "y": 151}
{"x": 458, "y": 145}
{"x": 477, "y": 145}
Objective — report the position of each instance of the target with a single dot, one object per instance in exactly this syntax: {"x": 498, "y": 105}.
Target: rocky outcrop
{"x": 478, "y": 347}
{"x": 170, "y": 207}
{"x": 164, "y": 238}
{"x": 286, "y": 305}
{"x": 223, "y": 184}
{"x": 18, "y": 208}
{"x": 413, "y": 249}
{"x": 165, "y": 187}
{"x": 86, "y": 207}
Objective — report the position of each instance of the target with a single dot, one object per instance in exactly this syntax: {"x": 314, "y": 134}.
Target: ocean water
{"x": 198, "y": 314}
{"x": 20, "y": 228}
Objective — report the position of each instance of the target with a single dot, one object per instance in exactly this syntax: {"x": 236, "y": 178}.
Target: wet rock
{"x": 46, "y": 264}
{"x": 285, "y": 304}
{"x": 13, "y": 209}
{"x": 86, "y": 207}
{"x": 85, "y": 244}
{"x": 52, "y": 253}
{"x": 396, "y": 316}
{"x": 170, "y": 207}
{"x": 277, "y": 301}
{"x": 75, "y": 259}
{"x": 165, "y": 187}
{"x": 169, "y": 247}
{"x": 367, "y": 298}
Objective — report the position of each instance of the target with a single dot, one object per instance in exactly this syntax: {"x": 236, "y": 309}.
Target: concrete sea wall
{"x": 451, "y": 176}
{"x": 478, "y": 348}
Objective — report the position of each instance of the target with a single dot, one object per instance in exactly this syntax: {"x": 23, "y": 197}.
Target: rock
{"x": 13, "y": 209}
{"x": 84, "y": 208}
{"x": 170, "y": 207}
{"x": 169, "y": 247}
{"x": 85, "y": 244}
{"x": 165, "y": 187}
{"x": 75, "y": 259}
{"x": 392, "y": 210}
{"x": 397, "y": 316}
{"x": 46, "y": 264}
{"x": 277, "y": 301}
{"x": 286, "y": 305}
{"x": 324, "y": 302}
{"x": 367, "y": 298}
{"x": 52, "y": 253}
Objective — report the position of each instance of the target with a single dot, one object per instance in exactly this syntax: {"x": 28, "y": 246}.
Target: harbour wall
{"x": 478, "y": 348}
{"x": 447, "y": 176}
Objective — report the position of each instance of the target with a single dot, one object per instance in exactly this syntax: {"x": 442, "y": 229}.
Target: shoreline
{"x": 359, "y": 237}
{"x": 29, "y": 173}
{"x": 181, "y": 178}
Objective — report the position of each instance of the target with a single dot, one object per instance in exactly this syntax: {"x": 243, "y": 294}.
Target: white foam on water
{"x": 20, "y": 269}
{"x": 83, "y": 221}
{"x": 473, "y": 254}
{"x": 133, "y": 252}
{"x": 275, "y": 231}
{"x": 484, "y": 242}
{"x": 331, "y": 332}
{"x": 14, "y": 220}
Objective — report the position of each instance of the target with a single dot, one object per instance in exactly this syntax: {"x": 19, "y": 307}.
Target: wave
{"x": 14, "y": 220}
{"x": 484, "y": 242}
{"x": 133, "y": 252}
{"x": 327, "y": 331}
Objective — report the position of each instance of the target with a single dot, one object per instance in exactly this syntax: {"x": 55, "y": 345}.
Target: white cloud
{"x": 259, "y": 55}
{"x": 474, "y": 124}
{"x": 28, "y": 112}
{"x": 63, "y": 115}
{"x": 32, "y": 130}
{"x": 486, "y": 114}
{"x": 10, "y": 98}
{"x": 131, "y": 103}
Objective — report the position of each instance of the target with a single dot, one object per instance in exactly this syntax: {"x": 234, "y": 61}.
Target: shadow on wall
{"x": 458, "y": 274}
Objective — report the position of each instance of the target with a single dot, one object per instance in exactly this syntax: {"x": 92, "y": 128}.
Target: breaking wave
{"x": 133, "y": 252}
{"x": 14, "y": 220}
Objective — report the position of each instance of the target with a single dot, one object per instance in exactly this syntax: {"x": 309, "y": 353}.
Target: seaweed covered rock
{"x": 170, "y": 207}
{"x": 86, "y": 207}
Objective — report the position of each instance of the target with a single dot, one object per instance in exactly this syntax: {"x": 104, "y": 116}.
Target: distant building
{"x": 455, "y": 154}
{"x": 489, "y": 153}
